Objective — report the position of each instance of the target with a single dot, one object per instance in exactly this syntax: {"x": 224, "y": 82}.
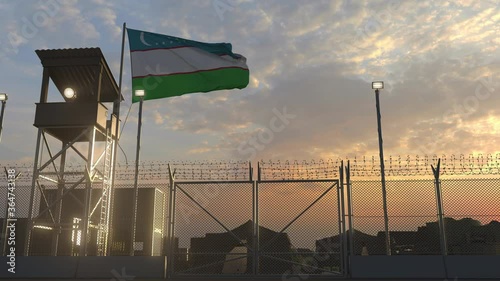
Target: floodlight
{"x": 378, "y": 85}
{"x": 139, "y": 93}
{"x": 3, "y": 96}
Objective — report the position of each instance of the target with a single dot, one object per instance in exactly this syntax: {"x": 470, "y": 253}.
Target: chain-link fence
{"x": 213, "y": 229}
{"x": 471, "y": 217}
{"x": 411, "y": 205}
{"x": 471, "y": 204}
{"x": 299, "y": 227}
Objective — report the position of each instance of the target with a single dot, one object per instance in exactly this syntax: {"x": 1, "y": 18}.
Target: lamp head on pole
{"x": 378, "y": 85}
{"x": 139, "y": 93}
{"x": 3, "y": 97}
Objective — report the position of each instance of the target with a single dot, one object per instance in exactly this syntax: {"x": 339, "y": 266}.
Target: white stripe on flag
{"x": 178, "y": 60}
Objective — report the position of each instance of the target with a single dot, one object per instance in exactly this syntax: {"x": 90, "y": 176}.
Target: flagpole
{"x": 138, "y": 93}
{"x": 116, "y": 111}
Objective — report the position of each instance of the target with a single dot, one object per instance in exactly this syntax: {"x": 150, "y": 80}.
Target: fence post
{"x": 349, "y": 211}
{"x": 171, "y": 217}
{"x": 341, "y": 215}
{"x": 437, "y": 184}
{"x": 255, "y": 206}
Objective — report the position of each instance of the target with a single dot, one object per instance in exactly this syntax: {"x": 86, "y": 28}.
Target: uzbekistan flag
{"x": 165, "y": 66}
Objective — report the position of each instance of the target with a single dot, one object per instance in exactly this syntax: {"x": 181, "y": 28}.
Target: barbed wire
{"x": 304, "y": 170}
{"x": 396, "y": 166}
{"x": 154, "y": 171}
{"x": 479, "y": 164}
{"x": 212, "y": 170}
{"x": 365, "y": 166}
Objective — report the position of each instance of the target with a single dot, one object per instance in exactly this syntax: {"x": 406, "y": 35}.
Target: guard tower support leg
{"x": 29, "y": 226}
{"x": 88, "y": 190}
{"x": 43, "y": 99}
{"x": 60, "y": 191}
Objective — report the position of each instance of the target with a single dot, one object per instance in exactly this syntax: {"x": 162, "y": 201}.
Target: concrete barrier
{"x": 473, "y": 267}
{"x": 40, "y": 267}
{"x": 120, "y": 266}
{"x": 84, "y": 267}
{"x": 397, "y": 267}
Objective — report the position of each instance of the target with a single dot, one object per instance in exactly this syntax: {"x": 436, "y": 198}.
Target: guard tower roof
{"x": 79, "y": 70}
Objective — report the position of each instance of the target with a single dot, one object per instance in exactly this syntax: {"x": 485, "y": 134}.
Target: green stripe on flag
{"x": 157, "y": 87}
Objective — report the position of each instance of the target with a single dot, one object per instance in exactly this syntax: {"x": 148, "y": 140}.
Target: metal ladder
{"x": 103, "y": 230}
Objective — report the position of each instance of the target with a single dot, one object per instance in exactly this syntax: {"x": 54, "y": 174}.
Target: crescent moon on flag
{"x": 142, "y": 39}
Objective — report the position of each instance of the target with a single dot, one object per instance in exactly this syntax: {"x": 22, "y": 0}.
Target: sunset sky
{"x": 312, "y": 59}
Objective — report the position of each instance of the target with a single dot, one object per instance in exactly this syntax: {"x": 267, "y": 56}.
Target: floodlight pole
{"x": 116, "y": 111}
{"x": 136, "y": 190}
{"x": 439, "y": 201}
{"x": 382, "y": 175}
{"x": 1, "y": 118}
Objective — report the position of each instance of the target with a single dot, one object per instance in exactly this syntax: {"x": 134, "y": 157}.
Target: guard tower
{"x": 83, "y": 127}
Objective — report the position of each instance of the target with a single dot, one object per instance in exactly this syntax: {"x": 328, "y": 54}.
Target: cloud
{"x": 108, "y": 17}
{"x": 439, "y": 61}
